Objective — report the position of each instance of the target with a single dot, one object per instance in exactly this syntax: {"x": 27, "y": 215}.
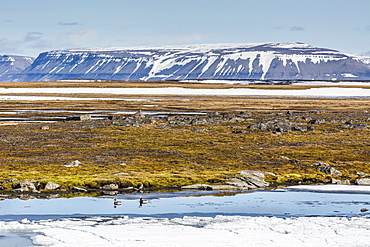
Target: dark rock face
{"x": 266, "y": 61}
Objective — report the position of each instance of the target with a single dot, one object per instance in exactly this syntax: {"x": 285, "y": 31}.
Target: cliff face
{"x": 269, "y": 61}
{"x": 11, "y": 66}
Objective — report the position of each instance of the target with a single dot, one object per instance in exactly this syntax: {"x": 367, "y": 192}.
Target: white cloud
{"x": 69, "y": 23}
{"x": 82, "y": 35}
{"x": 297, "y": 28}
{"x": 32, "y": 36}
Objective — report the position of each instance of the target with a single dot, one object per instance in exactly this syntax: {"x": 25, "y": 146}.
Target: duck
{"x": 142, "y": 201}
{"x": 116, "y": 202}
{"x": 364, "y": 210}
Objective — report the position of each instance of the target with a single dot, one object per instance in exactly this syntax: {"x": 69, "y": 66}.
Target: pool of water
{"x": 279, "y": 203}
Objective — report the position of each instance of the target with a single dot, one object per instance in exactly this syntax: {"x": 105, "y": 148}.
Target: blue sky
{"x": 29, "y": 27}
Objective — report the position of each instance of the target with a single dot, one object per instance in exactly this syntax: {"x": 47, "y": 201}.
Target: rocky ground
{"x": 227, "y": 150}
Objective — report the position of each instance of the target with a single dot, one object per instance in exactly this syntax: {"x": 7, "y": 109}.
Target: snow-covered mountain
{"x": 11, "y": 66}
{"x": 268, "y": 61}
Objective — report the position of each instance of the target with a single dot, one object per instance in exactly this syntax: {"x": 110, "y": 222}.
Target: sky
{"x": 30, "y": 27}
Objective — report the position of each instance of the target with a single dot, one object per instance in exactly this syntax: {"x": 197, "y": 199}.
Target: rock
{"x": 224, "y": 187}
{"x": 325, "y": 168}
{"x": 110, "y": 187}
{"x": 255, "y": 178}
{"x": 25, "y": 186}
{"x": 240, "y": 184}
{"x": 84, "y": 117}
{"x": 239, "y": 131}
{"x": 284, "y": 158}
{"x": 362, "y": 174}
{"x": 197, "y": 187}
{"x": 11, "y": 180}
{"x": 139, "y": 114}
{"x": 79, "y": 189}
{"x": 317, "y": 121}
{"x": 73, "y": 164}
{"x": 362, "y": 181}
{"x": 342, "y": 182}
{"x": 51, "y": 186}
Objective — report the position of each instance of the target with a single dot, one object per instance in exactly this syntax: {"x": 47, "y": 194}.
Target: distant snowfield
{"x": 312, "y": 92}
{"x": 197, "y": 231}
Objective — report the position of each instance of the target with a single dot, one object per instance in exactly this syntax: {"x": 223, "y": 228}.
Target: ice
{"x": 197, "y": 231}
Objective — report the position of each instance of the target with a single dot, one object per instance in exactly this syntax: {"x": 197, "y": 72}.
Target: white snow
{"x": 197, "y": 231}
{"x": 311, "y": 92}
{"x": 331, "y": 188}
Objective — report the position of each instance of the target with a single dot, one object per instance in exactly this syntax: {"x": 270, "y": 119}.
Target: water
{"x": 278, "y": 203}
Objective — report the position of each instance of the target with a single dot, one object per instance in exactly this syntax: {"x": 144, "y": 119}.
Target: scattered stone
{"x": 284, "y": 158}
{"x": 358, "y": 126}
{"x": 317, "y": 121}
{"x": 362, "y": 181}
{"x": 73, "y": 164}
{"x": 110, "y": 187}
{"x": 51, "y": 186}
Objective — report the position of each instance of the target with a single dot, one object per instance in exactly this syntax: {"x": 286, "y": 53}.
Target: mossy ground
{"x": 158, "y": 157}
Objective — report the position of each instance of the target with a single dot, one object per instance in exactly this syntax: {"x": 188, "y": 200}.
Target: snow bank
{"x": 198, "y": 231}
{"x": 312, "y": 92}
{"x": 332, "y": 188}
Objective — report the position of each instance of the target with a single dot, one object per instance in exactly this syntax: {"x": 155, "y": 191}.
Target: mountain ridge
{"x": 260, "y": 61}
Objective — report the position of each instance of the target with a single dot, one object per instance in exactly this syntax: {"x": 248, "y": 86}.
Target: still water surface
{"x": 279, "y": 203}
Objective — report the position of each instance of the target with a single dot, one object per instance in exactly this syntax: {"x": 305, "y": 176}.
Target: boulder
{"x": 197, "y": 187}
{"x": 11, "y": 180}
{"x": 255, "y": 178}
{"x": 240, "y": 184}
{"x": 84, "y": 117}
{"x": 362, "y": 174}
{"x": 224, "y": 187}
{"x": 73, "y": 164}
{"x": 110, "y": 187}
{"x": 51, "y": 186}
{"x": 342, "y": 182}
{"x": 362, "y": 181}
{"x": 25, "y": 186}
{"x": 325, "y": 168}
